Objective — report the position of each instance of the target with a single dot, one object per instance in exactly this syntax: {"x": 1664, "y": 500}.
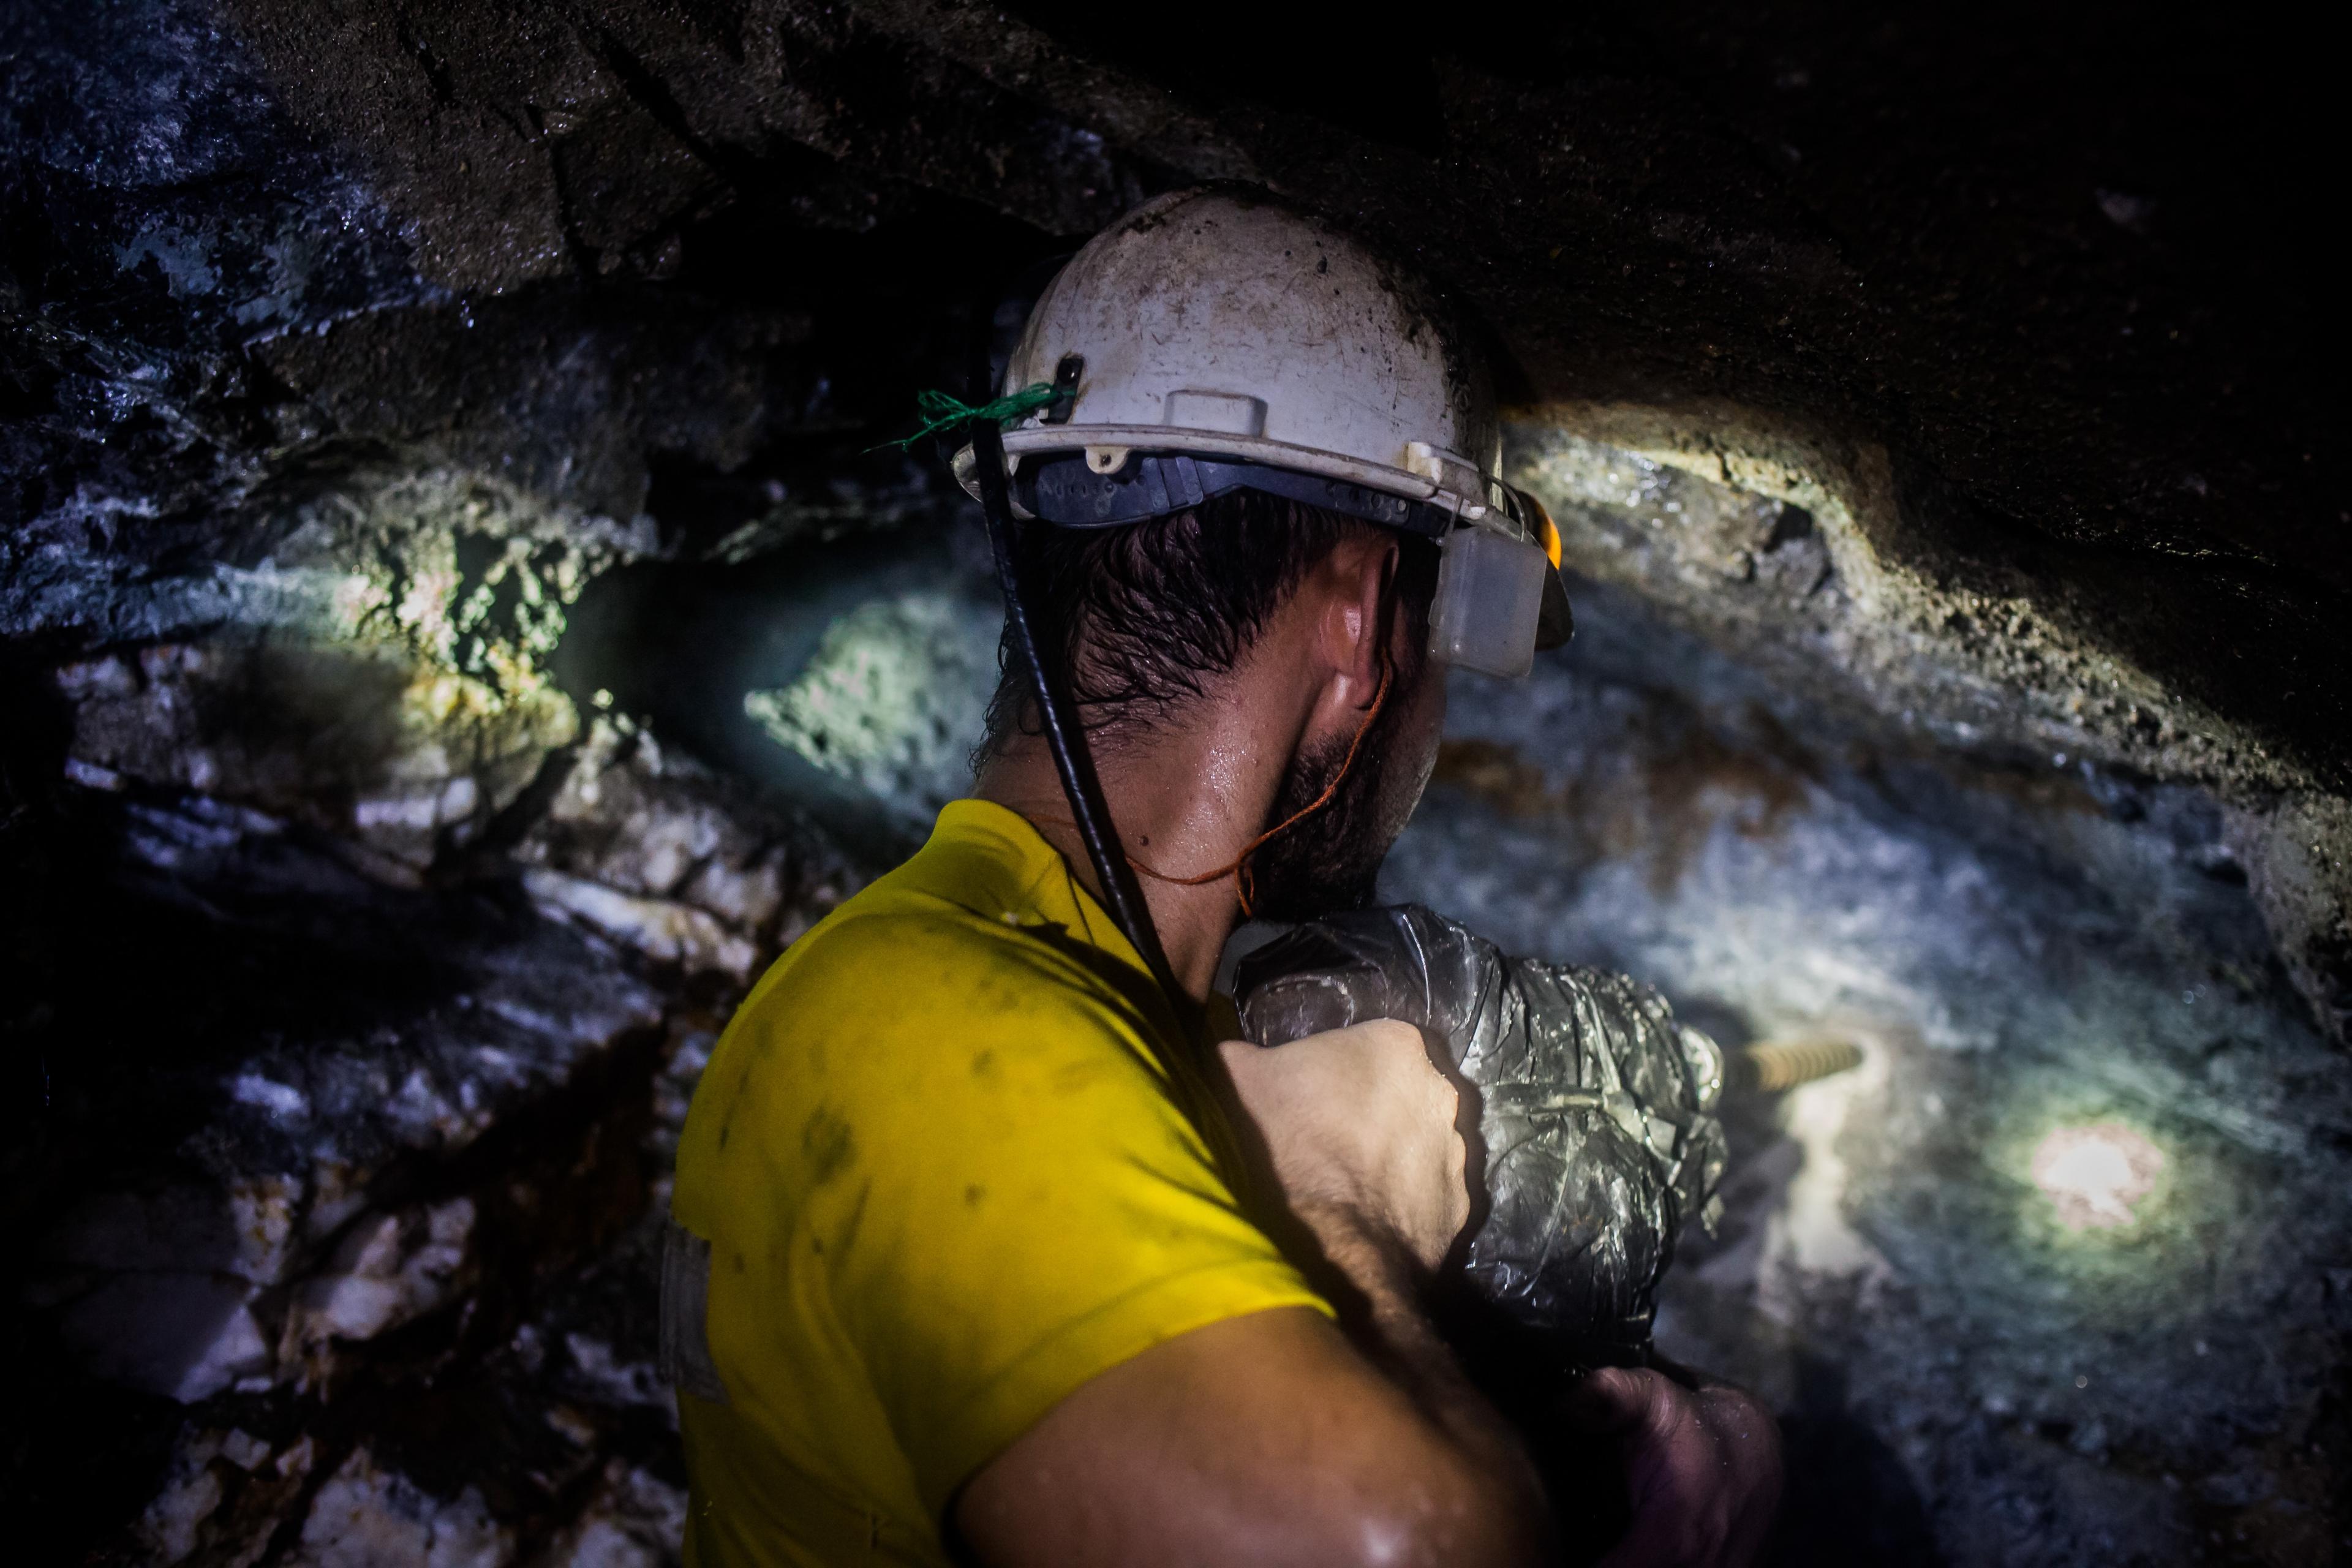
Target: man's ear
{"x": 1362, "y": 588}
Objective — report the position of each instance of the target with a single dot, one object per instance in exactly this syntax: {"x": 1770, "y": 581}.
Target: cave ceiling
{"x": 2055, "y": 276}
{"x": 2026, "y": 308}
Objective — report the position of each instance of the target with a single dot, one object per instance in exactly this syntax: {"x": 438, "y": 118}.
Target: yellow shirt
{"x": 953, "y": 1158}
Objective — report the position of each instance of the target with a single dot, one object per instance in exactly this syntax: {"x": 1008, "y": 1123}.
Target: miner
{"x": 988, "y": 1242}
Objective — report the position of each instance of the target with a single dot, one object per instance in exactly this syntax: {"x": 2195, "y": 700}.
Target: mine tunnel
{"x": 467, "y": 605}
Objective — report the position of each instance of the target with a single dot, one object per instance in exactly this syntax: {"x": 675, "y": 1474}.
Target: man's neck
{"x": 1187, "y": 796}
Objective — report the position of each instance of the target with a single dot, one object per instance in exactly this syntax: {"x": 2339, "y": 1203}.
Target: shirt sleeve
{"x": 1007, "y": 1197}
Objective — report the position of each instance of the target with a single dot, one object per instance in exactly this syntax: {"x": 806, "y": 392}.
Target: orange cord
{"x": 1239, "y": 868}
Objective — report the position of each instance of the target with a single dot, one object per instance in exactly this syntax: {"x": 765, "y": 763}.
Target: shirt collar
{"x": 1030, "y": 881}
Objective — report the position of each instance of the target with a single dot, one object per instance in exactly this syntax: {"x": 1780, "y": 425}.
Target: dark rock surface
{"x": 329, "y": 1191}
{"x": 454, "y": 625}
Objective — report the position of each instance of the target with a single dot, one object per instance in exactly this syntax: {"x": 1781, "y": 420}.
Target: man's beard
{"x": 1330, "y": 861}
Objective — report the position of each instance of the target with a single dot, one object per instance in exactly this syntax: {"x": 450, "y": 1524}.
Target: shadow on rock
{"x": 1849, "y": 1499}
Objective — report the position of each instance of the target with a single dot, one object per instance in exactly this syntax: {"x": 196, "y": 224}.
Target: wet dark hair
{"x": 1140, "y": 619}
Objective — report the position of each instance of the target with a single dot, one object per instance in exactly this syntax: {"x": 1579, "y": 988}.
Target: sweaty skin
{"x": 1189, "y": 792}
{"x": 1277, "y": 1438}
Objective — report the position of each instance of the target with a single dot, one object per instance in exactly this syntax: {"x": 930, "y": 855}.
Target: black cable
{"x": 1122, "y": 894}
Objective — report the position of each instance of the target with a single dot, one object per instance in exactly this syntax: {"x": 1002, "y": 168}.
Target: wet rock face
{"x": 1966, "y": 1367}
{"x": 686, "y": 867}
{"x": 456, "y": 626}
{"x": 1798, "y": 554}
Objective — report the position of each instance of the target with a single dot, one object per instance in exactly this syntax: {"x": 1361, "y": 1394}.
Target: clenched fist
{"x": 1361, "y": 1128}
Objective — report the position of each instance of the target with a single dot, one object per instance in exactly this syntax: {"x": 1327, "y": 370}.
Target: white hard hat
{"x": 1216, "y": 340}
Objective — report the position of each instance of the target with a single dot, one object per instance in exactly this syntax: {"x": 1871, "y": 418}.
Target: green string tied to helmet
{"x": 943, "y": 411}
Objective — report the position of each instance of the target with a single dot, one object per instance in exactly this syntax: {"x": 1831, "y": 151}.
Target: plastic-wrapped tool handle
{"x": 1596, "y": 1108}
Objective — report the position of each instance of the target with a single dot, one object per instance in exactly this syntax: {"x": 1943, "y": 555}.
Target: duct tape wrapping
{"x": 1596, "y": 1109}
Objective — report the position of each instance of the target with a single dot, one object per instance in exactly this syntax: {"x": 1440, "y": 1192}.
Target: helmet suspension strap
{"x": 1122, "y": 895}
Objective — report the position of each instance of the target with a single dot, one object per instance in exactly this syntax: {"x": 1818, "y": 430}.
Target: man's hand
{"x": 1702, "y": 1469}
{"x": 1362, "y": 1131}
{"x": 1360, "y": 1127}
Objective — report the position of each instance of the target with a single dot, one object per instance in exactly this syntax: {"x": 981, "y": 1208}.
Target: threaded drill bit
{"x": 1768, "y": 1066}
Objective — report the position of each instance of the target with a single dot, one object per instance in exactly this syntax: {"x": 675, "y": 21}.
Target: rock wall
{"x": 456, "y": 624}
{"x": 1967, "y": 1370}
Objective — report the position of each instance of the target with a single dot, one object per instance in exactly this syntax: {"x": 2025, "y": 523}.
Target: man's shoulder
{"x": 981, "y": 920}
{"x": 898, "y": 975}
{"x": 887, "y": 950}
{"x": 942, "y": 995}
{"x": 914, "y": 1025}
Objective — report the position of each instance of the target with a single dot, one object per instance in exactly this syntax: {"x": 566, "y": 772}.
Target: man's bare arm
{"x": 1273, "y": 1438}
{"x": 1260, "y": 1439}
